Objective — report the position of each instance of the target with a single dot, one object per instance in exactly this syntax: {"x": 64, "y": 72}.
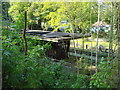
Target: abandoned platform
{"x": 55, "y": 36}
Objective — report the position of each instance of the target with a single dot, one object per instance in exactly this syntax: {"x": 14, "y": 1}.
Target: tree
{"x": 5, "y": 17}
{"x": 76, "y": 14}
{"x": 17, "y": 8}
{"x": 37, "y": 11}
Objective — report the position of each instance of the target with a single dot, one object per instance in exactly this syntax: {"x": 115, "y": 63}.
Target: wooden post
{"x": 68, "y": 45}
{"x": 24, "y": 32}
{"x": 86, "y": 46}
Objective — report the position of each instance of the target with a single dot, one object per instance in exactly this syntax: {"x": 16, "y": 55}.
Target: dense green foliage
{"x": 76, "y": 14}
{"x": 35, "y": 70}
{"x": 107, "y": 75}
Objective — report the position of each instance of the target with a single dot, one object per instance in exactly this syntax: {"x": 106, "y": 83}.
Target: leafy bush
{"x": 81, "y": 82}
{"x": 106, "y": 77}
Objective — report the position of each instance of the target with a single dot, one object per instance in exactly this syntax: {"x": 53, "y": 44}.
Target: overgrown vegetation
{"x": 37, "y": 71}
{"x": 32, "y": 71}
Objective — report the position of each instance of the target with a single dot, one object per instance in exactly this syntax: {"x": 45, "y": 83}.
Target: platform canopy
{"x": 55, "y": 36}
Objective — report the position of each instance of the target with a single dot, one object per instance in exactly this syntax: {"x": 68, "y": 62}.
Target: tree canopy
{"x": 76, "y": 14}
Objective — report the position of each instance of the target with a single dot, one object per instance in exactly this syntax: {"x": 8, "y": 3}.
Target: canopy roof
{"x": 99, "y": 23}
{"x": 55, "y": 36}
